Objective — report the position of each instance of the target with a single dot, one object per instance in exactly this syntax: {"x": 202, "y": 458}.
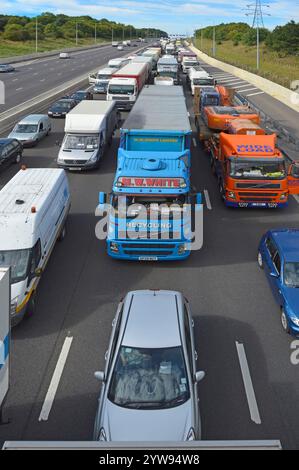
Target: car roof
{"x": 6, "y": 141}
{"x": 33, "y": 118}
{"x": 152, "y": 319}
{"x": 287, "y": 241}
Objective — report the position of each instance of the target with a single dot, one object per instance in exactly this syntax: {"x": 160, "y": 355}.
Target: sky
{"x": 173, "y": 16}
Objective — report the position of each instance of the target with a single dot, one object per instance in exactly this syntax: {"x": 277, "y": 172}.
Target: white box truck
{"x": 126, "y": 84}
{"x": 197, "y": 77}
{"x": 168, "y": 67}
{"x": 89, "y": 128}
{"x": 34, "y": 206}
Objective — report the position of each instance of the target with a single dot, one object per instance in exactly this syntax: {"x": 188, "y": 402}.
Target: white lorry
{"x": 89, "y": 127}
{"x": 168, "y": 67}
{"x": 34, "y": 206}
{"x": 188, "y": 62}
{"x": 199, "y": 77}
{"x": 126, "y": 84}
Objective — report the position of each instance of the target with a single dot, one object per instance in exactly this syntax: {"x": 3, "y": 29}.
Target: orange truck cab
{"x": 226, "y": 95}
{"x": 251, "y": 171}
{"x": 217, "y": 118}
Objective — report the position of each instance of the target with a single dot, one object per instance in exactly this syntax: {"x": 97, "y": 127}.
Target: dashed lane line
{"x": 50, "y": 397}
{"x": 247, "y": 381}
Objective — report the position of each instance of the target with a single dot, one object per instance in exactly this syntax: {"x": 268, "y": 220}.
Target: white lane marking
{"x": 242, "y": 86}
{"x": 258, "y": 93}
{"x": 18, "y": 89}
{"x": 35, "y": 73}
{"x": 208, "y": 200}
{"x": 296, "y": 197}
{"x": 230, "y": 79}
{"x": 194, "y": 142}
{"x": 42, "y": 80}
{"x": 49, "y": 400}
{"x": 249, "y": 89}
{"x": 251, "y": 399}
{"x": 15, "y": 79}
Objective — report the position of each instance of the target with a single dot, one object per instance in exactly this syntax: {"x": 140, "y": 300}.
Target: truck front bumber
{"x": 256, "y": 205}
{"x": 147, "y": 250}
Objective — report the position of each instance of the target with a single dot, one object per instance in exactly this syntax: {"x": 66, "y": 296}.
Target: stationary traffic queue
{"x": 150, "y": 216}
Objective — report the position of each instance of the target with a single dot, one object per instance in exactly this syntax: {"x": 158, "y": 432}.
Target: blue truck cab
{"x": 151, "y": 205}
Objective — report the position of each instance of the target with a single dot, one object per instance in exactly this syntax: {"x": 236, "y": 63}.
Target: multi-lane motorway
{"x": 229, "y": 296}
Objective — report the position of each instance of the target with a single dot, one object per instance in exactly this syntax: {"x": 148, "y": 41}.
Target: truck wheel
{"x": 31, "y": 306}
{"x": 18, "y": 158}
{"x": 62, "y": 234}
{"x": 284, "y": 321}
{"x": 222, "y": 191}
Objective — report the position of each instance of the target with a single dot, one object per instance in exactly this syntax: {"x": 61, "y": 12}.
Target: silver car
{"x": 149, "y": 386}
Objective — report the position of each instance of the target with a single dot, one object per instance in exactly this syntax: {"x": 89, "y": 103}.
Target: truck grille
{"x": 257, "y": 195}
{"x": 75, "y": 162}
{"x": 148, "y": 249}
{"x": 120, "y": 98}
{"x": 254, "y": 185}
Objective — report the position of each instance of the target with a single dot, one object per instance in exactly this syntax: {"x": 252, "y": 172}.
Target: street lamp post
{"x": 36, "y": 35}
{"x": 214, "y": 41}
{"x": 76, "y": 33}
{"x": 95, "y": 33}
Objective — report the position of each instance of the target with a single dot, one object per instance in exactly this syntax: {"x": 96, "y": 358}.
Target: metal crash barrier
{"x": 190, "y": 445}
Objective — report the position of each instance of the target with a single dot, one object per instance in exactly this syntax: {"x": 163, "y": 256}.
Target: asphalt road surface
{"x": 229, "y": 296}
{"x": 40, "y": 75}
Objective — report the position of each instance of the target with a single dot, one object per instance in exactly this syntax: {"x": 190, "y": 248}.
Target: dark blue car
{"x": 278, "y": 255}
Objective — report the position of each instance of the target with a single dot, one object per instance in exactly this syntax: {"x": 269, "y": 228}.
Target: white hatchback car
{"x": 64, "y": 55}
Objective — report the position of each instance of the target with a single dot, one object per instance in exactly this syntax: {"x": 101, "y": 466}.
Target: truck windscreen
{"x": 121, "y": 89}
{"x": 257, "y": 170}
{"x": 81, "y": 142}
{"x": 150, "y": 203}
{"x": 203, "y": 81}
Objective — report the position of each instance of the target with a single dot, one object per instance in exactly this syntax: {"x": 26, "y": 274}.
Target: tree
{"x": 285, "y": 38}
{"x": 15, "y": 32}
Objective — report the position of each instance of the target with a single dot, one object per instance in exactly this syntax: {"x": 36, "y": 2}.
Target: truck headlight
{"x": 191, "y": 435}
{"x": 114, "y": 247}
{"x": 231, "y": 195}
{"x": 295, "y": 320}
{"x": 182, "y": 249}
{"x": 13, "y": 305}
{"x": 93, "y": 158}
{"x": 283, "y": 196}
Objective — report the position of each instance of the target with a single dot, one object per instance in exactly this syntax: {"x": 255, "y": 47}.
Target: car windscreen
{"x": 63, "y": 105}
{"x": 291, "y": 274}
{"x": 257, "y": 170}
{"x": 18, "y": 261}
{"x": 26, "y": 128}
{"x": 81, "y": 142}
{"x": 121, "y": 89}
{"x": 149, "y": 378}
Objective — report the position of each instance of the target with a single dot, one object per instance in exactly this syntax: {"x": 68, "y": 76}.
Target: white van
{"x": 89, "y": 128}
{"x": 31, "y": 129}
{"x": 33, "y": 209}
{"x": 102, "y": 80}
{"x": 118, "y": 63}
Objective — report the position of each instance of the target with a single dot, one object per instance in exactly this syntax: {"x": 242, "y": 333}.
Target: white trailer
{"x": 89, "y": 127}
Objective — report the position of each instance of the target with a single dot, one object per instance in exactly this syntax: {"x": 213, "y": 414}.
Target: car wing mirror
{"x": 199, "y": 376}
{"x": 273, "y": 274}
{"x": 100, "y": 376}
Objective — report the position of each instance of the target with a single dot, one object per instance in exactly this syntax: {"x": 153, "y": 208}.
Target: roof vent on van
{"x": 23, "y": 167}
{"x": 152, "y": 164}
{"x": 19, "y": 202}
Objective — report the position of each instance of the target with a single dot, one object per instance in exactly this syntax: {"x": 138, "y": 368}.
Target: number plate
{"x": 148, "y": 258}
